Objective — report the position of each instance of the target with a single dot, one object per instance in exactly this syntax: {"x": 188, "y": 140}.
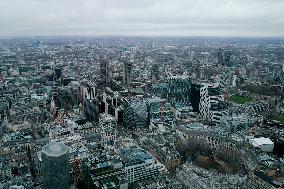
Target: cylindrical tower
{"x": 55, "y": 166}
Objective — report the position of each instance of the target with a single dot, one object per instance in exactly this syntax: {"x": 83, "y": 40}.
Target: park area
{"x": 240, "y": 99}
{"x": 279, "y": 118}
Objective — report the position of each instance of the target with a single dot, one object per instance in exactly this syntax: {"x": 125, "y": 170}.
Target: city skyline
{"x": 131, "y": 94}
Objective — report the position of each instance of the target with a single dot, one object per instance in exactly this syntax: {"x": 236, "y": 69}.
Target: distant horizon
{"x": 146, "y": 36}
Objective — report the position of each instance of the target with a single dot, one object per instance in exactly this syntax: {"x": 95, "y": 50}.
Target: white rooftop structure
{"x": 264, "y": 144}
{"x": 55, "y": 149}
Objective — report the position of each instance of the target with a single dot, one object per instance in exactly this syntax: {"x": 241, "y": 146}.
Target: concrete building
{"x": 111, "y": 103}
{"x": 88, "y": 100}
{"x": 236, "y": 122}
{"x": 212, "y": 106}
{"x": 139, "y": 165}
{"x": 55, "y": 166}
{"x": 88, "y": 90}
{"x": 107, "y": 174}
{"x": 108, "y": 125}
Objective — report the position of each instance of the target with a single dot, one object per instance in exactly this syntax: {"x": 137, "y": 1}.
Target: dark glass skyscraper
{"x": 55, "y": 166}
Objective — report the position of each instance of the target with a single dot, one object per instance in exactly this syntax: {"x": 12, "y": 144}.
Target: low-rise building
{"x": 265, "y": 144}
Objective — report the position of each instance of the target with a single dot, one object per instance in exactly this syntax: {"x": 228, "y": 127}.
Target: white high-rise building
{"x": 234, "y": 82}
{"x": 88, "y": 90}
{"x": 210, "y": 105}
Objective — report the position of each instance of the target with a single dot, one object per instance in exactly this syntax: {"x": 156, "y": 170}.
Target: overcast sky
{"x": 142, "y": 17}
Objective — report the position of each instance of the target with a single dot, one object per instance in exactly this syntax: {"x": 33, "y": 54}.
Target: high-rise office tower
{"x": 220, "y": 56}
{"x": 227, "y": 58}
{"x": 195, "y": 97}
{"x": 55, "y": 166}
{"x": 155, "y": 73}
{"x": 104, "y": 68}
{"x": 88, "y": 100}
{"x": 224, "y": 57}
{"x": 179, "y": 88}
{"x": 127, "y": 68}
{"x": 57, "y": 73}
{"x": 212, "y": 105}
{"x": 135, "y": 114}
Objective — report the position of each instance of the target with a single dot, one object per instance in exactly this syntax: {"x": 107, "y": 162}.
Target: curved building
{"x": 55, "y": 166}
{"x": 135, "y": 114}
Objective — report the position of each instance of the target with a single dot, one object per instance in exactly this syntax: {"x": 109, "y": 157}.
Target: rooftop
{"x": 261, "y": 141}
{"x": 55, "y": 149}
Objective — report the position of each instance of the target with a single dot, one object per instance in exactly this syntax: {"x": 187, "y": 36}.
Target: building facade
{"x": 55, "y": 166}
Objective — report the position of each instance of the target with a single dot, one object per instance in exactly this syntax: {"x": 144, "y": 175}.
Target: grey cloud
{"x": 142, "y": 17}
